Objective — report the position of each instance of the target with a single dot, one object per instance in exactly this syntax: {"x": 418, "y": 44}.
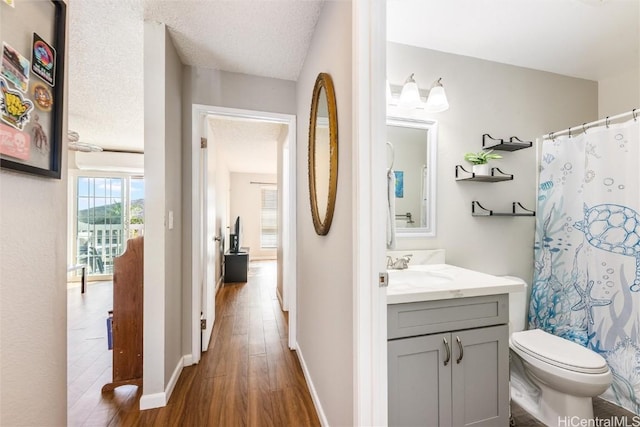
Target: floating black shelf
{"x": 496, "y": 175}
{"x": 514, "y": 143}
{"x": 517, "y": 210}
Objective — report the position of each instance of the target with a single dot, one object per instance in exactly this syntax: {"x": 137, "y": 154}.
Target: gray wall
{"x": 620, "y": 92}
{"x": 173, "y": 187}
{"x": 162, "y": 267}
{"x": 325, "y": 272}
{"x": 502, "y": 100}
{"x": 33, "y": 293}
{"x": 222, "y": 89}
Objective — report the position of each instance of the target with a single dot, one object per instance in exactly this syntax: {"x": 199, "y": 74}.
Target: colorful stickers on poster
{"x": 42, "y": 97}
{"x": 14, "y": 143}
{"x": 15, "y": 67}
{"x": 43, "y": 60}
{"x": 15, "y": 110}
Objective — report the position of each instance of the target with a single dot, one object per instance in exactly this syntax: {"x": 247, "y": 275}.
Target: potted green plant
{"x": 480, "y": 161}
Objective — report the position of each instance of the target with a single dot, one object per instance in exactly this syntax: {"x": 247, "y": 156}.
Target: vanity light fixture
{"x": 437, "y": 100}
{"x": 410, "y": 95}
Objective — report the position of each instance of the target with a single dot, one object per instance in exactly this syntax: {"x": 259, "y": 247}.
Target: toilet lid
{"x": 559, "y": 351}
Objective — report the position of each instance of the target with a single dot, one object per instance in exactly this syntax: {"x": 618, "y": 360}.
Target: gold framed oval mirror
{"x": 323, "y": 153}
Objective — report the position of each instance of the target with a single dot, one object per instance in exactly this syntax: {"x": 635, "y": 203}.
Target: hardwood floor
{"x": 249, "y": 377}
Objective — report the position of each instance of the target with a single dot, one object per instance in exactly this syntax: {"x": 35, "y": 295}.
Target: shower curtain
{"x": 586, "y": 285}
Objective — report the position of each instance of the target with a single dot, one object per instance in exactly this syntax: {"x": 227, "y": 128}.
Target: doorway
{"x": 208, "y": 178}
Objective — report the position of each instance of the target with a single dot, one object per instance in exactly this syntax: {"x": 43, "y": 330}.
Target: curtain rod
{"x": 583, "y": 128}
{"x": 263, "y": 183}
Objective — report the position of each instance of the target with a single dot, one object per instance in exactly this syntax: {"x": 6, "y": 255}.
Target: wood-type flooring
{"x": 248, "y": 377}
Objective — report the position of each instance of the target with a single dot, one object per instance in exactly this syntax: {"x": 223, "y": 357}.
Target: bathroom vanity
{"x": 448, "y": 350}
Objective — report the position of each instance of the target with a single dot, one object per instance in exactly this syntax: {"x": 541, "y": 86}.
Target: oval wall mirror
{"x": 323, "y": 153}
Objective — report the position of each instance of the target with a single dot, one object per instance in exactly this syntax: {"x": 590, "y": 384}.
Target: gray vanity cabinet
{"x": 419, "y": 383}
{"x": 449, "y": 375}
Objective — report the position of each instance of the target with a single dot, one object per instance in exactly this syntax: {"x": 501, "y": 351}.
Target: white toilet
{"x": 551, "y": 377}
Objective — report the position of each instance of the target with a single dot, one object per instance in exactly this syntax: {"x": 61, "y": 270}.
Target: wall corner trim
{"x": 151, "y": 401}
{"x": 314, "y": 394}
{"x": 158, "y": 400}
{"x": 187, "y": 360}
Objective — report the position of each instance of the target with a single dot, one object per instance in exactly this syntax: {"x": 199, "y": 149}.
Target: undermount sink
{"x": 414, "y": 276}
{"x": 444, "y": 281}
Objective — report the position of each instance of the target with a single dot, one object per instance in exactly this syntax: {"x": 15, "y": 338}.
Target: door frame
{"x": 369, "y": 215}
{"x": 198, "y": 130}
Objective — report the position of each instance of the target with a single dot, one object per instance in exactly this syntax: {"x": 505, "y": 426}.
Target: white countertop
{"x": 444, "y": 281}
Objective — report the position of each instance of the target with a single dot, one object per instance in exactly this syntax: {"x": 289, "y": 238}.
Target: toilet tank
{"x": 518, "y": 307}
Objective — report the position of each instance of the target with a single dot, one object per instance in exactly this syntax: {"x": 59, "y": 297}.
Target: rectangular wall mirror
{"x": 412, "y": 156}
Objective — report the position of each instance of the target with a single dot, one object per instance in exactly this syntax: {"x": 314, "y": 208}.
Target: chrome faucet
{"x": 400, "y": 263}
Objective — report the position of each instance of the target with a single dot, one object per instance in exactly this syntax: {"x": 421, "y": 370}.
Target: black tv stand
{"x": 236, "y": 266}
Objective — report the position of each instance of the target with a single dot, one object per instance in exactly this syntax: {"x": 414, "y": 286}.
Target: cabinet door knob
{"x": 446, "y": 346}
{"x": 460, "y": 348}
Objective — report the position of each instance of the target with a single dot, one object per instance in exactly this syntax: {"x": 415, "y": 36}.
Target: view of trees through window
{"x": 109, "y": 211}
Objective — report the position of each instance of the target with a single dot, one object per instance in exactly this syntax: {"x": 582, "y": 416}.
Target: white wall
{"x": 246, "y": 203}
{"x": 33, "y": 294}
{"x": 222, "y": 89}
{"x": 502, "y": 100}
{"x": 619, "y": 93}
{"x": 162, "y": 267}
{"x": 324, "y": 267}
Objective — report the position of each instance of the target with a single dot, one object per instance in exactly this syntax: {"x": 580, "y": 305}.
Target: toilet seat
{"x": 559, "y": 352}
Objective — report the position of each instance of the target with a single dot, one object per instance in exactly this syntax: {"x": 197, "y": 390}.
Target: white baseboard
{"x": 187, "y": 360}
{"x": 280, "y": 299}
{"x": 151, "y": 401}
{"x": 158, "y": 400}
{"x": 312, "y": 389}
{"x": 218, "y": 284}
{"x": 262, "y": 258}
{"x": 174, "y": 378}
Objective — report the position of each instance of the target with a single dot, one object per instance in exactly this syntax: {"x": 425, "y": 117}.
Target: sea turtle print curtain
{"x": 586, "y": 285}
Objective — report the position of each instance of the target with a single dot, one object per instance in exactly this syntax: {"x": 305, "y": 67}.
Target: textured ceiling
{"x": 263, "y": 38}
{"x": 591, "y": 39}
{"x": 105, "y": 72}
{"x": 247, "y": 146}
{"x": 258, "y": 37}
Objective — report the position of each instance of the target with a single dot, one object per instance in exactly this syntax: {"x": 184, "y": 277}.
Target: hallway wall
{"x": 33, "y": 293}
{"x": 325, "y": 263}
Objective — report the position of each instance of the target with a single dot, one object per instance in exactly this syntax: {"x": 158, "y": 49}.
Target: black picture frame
{"x": 55, "y": 136}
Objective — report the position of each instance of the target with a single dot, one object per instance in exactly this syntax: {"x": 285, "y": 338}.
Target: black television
{"x": 235, "y": 237}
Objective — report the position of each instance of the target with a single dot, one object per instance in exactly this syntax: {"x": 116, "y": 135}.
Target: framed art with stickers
{"x": 32, "y": 34}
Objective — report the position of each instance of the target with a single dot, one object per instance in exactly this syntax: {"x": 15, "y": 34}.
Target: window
{"x": 269, "y": 218}
{"x": 108, "y": 211}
